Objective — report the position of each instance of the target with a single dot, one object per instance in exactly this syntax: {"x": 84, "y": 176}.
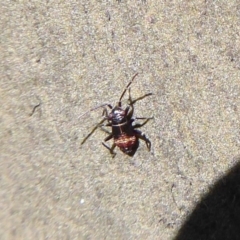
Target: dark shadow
{"x": 217, "y": 216}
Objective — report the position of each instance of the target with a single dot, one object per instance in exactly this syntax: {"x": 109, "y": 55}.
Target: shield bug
{"x": 124, "y": 133}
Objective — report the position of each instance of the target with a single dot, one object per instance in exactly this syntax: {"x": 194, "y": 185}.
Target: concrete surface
{"x": 61, "y": 58}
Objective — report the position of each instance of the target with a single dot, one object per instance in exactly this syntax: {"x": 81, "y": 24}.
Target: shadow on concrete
{"x": 217, "y": 216}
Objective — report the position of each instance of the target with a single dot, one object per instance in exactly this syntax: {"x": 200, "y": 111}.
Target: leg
{"x": 106, "y": 146}
{"x": 105, "y": 125}
{"x": 140, "y": 125}
{"x": 105, "y": 130}
{"x": 132, "y": 102}
{"x": 94, "y": 129}
{"x": 144, "y": 138}
{"x": 100, "y": 124}
{"x": 105, "y": 112}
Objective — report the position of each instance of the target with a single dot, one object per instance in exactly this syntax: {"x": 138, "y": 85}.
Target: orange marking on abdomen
{"x": 125, "y": 141}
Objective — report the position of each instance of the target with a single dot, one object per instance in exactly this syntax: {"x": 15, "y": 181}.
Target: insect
{"x": 124, "y": 133}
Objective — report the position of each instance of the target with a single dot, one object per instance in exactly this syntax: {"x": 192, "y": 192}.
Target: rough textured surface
{"x": 61, "y": 58}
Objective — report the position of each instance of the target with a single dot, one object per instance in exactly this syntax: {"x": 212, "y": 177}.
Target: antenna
{"x": 127, "y": 87}
{"x": 102, "y": 105}
{"x": 106, "y": 104}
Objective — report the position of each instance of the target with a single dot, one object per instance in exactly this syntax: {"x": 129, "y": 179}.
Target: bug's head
{"x": 117, "y": 115}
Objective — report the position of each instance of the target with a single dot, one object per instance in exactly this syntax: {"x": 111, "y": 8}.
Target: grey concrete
{"x": 61, "y": 58}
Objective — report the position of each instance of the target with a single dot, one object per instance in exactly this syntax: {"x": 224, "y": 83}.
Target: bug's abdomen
{"x": 127, "y": 143}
